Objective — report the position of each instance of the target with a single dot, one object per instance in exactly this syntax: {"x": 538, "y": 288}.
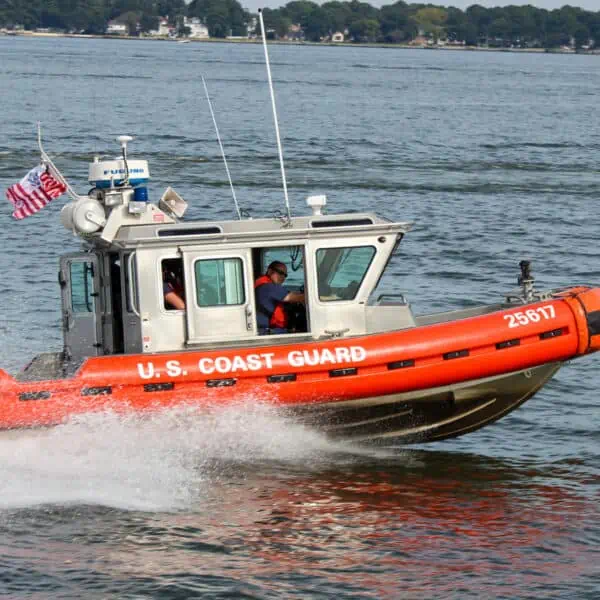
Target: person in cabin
{"x": 271, "y": 295}
{"x": 173, "y": 290}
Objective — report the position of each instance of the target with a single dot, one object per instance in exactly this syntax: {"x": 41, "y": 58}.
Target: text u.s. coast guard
{"x": 237, "y": 363}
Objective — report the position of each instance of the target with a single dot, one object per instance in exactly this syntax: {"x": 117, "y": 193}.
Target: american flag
{"x": 34, "y": 191}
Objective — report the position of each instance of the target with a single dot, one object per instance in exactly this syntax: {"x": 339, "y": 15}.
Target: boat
{"x": 354, "y": 364}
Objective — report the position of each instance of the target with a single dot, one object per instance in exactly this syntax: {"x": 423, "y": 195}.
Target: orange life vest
{"x": 279, "y": 317}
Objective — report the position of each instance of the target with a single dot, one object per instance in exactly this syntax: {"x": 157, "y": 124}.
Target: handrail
{"x": 335, "y": 333}
{"x": 401, "y": 297}
{"x": 130, "y": 294}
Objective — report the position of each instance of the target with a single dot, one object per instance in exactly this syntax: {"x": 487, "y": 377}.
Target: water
{"x": 493, "y": 155}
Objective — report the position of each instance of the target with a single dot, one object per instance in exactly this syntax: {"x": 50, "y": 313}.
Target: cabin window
{"x": 293, "y": 259}
{"x": 173, "y": 284}
{"x": 340, "y": 271}
{"x": 219, "y": 282}
{"x": 82, "y": 287}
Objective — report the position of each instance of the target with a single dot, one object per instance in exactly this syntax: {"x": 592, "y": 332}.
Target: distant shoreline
{"x": 595, "y": 51}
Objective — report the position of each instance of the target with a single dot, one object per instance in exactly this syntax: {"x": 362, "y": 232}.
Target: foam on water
{"x": 163, "y": 461}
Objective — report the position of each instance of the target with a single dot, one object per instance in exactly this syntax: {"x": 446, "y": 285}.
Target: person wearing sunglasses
{"x": 271, "y": 296}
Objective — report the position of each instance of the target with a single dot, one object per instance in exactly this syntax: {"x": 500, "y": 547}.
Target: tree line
{"x": 222, "y": 17}
{"x": 517, "y": 26}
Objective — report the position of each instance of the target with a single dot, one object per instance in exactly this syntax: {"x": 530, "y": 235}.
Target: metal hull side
{"x": 427, "y": 415}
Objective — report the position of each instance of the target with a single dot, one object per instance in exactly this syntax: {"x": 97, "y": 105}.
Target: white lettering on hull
{"x": 235, "y": 364}
{"x": 173, "y": 368}
{"x": 226, "y": 365}
{"x": 146, "y": 374}
{"x": 325, "y": 356}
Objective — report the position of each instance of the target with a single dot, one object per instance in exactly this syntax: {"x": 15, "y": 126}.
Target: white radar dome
{"x": 107, "y": 173}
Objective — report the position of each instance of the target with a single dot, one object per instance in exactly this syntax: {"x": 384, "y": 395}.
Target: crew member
{"x": 271, "y": 295}
{"x": 173, "y": 291}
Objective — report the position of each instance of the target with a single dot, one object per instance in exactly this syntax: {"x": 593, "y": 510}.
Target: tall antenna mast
{"x": 264, "y": 40}
{"x": 212, "y": 114}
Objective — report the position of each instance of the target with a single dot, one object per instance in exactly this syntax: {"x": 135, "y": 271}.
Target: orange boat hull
{"x": 368, "y": 376}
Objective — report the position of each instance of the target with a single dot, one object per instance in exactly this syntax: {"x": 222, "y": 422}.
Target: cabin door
{"x": 79, "y": 279}
{"x": 219, "y": 295}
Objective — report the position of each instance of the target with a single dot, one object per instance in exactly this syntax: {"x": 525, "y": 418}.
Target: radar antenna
{"x": 123, "y": 141}
{"x": 212, "y": 114}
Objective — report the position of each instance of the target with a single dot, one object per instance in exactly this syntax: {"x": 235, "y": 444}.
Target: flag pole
{"x": 53, "y": 168}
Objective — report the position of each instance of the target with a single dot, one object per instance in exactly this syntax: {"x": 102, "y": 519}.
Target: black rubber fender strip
{"x": 42, "y": 395}
{"x": 508, "y": 344}
{"x": 456, "y": 354}
{"x": 551, "y": 334}
{"x": 343, "y": 372}
{"x": 97, "y": 391}
{"x": 220, "y": 382}
{"x": 284, "y": 377}
{"x": 401, "y": 364}
{"x": 159, "y": 387}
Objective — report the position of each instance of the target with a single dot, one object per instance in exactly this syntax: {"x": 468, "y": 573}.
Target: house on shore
{"x": 115, "y": 28}
{"x": 198, "y": 30}
{"x": 164, "y": 29}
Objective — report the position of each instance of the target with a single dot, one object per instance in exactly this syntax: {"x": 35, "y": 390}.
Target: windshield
{"x": 340, "y": 271}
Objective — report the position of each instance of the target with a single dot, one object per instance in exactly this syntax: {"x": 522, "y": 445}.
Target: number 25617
{"x": 531, "y": 315}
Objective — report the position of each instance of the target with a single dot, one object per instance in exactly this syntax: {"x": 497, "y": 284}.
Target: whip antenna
{"x": 212, "y": 114}
{"x": 264, "y": 39}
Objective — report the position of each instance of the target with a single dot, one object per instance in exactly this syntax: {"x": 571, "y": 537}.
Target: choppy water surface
{"x": 494, "y": 156}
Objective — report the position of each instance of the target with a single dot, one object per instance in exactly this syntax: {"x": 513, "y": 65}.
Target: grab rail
{"x": 398, "y": 296}
{"x": 130, "y": 293}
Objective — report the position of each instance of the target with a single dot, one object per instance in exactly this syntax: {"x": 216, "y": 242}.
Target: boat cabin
{"x": 113, "y": 294}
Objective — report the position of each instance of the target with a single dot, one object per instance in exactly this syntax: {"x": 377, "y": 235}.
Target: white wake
{"x": 163, "y": 461}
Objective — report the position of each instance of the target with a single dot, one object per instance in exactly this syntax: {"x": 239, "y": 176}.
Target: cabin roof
{"x": 258, "y": 230}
